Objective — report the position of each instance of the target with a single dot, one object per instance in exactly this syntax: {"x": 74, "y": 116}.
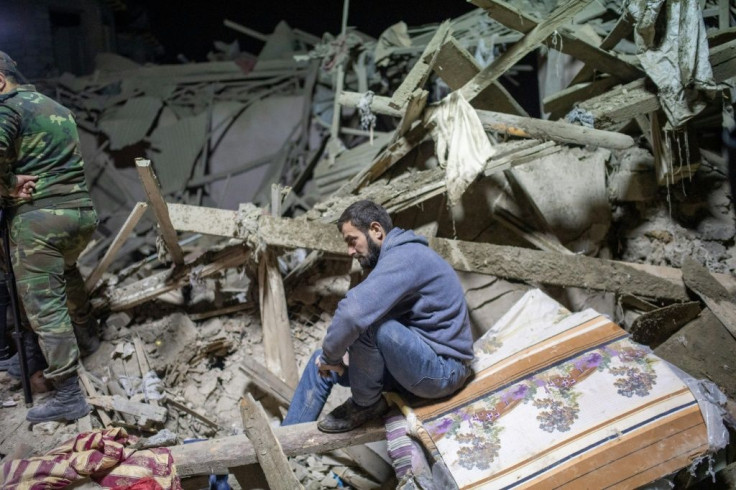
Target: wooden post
{"x": 277, "y": 341}
{"x": 267, "y": 447}
{"x": 153, "y": 191}
{"x": 116, "y": 244}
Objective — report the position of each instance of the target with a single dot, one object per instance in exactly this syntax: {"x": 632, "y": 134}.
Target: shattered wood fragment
{"x": 654, "y": 327}
{"x": 267, "y": 381}
{"x": 594, "y": 57}
{"x": 698, "y": 279}
{"x": 386, "y": 159}
{"x": 91, "y": 391}
{"x": 196, "y": 317}
{"x": 504, "y": 261}
{"x": 267, "y": 447}
{"x": 515, "y": 53}
{"x": 419, "y": 73}
{"x": 180, "y": 406}
{"x": 528, "y": 127}
{"x": 120, "y": 404}
{"x": 620, "y": 31}
{"x": 456, "y": 66}
{"x": 277, "y": 342}
{"x": 117, "y": 243}
{"x": 217, "y": 455}
{"x": 560, "y": 103}
{"x": 412, "y": 111}
{"x": 153, "y": 191}
{"x": 120, "y": 298}
{"x": 634, "y": 99}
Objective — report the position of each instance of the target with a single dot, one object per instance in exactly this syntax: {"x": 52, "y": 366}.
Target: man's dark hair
{"x": 362, "y": 213}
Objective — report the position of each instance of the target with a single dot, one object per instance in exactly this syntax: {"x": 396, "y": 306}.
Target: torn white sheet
{"x": 461, "y": 143}
{"x": 674, "y": 57}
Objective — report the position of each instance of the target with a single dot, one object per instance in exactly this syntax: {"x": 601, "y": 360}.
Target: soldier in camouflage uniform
{"x": 52, "y": 220}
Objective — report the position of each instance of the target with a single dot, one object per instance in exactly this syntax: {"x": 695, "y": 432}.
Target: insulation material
{"x": 563, "y": 398}
{"x": 463, "y": 148}
{"x": 674, "y": 57}
{"x": 130, "y": 123}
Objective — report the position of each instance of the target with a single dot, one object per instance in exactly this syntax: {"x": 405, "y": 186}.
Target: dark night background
{"x": 190, "y": 28}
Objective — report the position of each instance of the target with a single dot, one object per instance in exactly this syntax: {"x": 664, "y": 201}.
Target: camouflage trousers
{"x": 45, "y": 245}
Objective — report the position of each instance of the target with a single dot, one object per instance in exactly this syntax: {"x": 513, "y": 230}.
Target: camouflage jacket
{"x": 38, "y": 136}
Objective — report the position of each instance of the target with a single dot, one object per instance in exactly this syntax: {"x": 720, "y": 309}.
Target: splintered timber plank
{"x": 566, "y": 98}
{"x": 268, "y": 448}
{"x": 456, "y": 66}
{"x": 503, "y": 261}
{"x": 417, "y": 76}
{"x": 277, "y": 343}
{"x": 218, "y": 455}
{"x": 139, "y": 292}
{"x": 527, "y": 44}
{"x": 622, "y": 29}
{"x": 153, "y": 191}
{"x": 596, "y": 58}
{"x": 117, "y": 243}
{"x": 713, "y": 294}
{"x": 123, "y": 405}
{"x": 636, "y": 98}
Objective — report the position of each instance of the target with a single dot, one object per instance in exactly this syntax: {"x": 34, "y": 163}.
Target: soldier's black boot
{"x": 34, "y": 356}
{"x": 5, "y": 364}
{"x": 88, "y": 337}
{"x": 68, "y": 403}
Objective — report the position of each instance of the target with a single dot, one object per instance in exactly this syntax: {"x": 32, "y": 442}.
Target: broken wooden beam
{"x": 504, "y": 261}
{"x": 563, "y": 132}
{"x": 634, "y": 99}
{"x": 526, "y": 45}
{"x": 123, "y": 405}
{"x": 654, "y": 327}
{"x": 277, "y": 342}
{"x": 218, "y": 455}
{"x": 267, "y": 447}
{"x": 267, "y": 381}
{"x": 117, "y": 243}
{"x": 153, "y": 191}
{"x": 599, "y": 59}
{"x": 120, "y": 298}
{"x": 419, "y": 73}
{"x": 714, "y": 295}
{"x": 456, "y": 66}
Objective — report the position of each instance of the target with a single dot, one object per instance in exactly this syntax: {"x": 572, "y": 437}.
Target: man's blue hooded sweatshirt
{"x": 412, "y": 284}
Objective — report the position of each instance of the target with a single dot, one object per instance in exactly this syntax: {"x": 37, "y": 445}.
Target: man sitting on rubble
{"x": 405, "y": 327}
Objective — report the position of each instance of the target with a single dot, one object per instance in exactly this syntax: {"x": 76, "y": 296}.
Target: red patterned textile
{"x": 102, "y": 455}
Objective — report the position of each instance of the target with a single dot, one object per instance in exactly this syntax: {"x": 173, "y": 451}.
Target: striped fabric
{"x": 563, "y": 400}
{"x": 103, "y": 456}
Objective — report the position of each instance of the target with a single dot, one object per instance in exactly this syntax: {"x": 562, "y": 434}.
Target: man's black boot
{"x": 88, "y": 337}
{"x": 349, "y": 416}
{"x": 34, "y": 356}
{"x": 68, "y": 403}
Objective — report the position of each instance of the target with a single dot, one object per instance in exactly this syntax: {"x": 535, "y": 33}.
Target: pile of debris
{"x": 618, "y": 199}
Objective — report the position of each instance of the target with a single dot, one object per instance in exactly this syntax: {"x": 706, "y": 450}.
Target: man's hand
{"x": 325, "y": 369}
{"x": 24, "y": 186}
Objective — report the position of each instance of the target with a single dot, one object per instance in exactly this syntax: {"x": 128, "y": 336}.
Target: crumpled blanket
{"x": 105, "y": 456}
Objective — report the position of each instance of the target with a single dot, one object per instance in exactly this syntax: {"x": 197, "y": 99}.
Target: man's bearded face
{"x": 370, "y": 258}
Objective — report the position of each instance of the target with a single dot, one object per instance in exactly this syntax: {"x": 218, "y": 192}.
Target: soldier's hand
{"x": 24, "y": 186}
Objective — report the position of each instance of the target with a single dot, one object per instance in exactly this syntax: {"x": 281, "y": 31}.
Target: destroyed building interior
{"x": 581, "y": 150}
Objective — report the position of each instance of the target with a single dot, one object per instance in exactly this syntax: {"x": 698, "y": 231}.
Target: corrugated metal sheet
{"x": 130, "y": 123}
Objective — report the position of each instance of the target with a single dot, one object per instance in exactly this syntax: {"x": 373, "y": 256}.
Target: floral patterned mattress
{"x": 563, "y": 400}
